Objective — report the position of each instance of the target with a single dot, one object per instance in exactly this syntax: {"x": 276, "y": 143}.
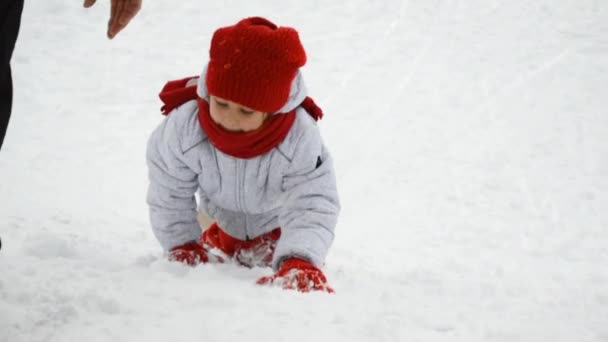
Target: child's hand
{"x": 299, "y": 275}
{"x": 190, "y": 253}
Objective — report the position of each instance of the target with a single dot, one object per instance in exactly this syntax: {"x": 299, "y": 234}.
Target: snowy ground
{"x": 471, "y": 145}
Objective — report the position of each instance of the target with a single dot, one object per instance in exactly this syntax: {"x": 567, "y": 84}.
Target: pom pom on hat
{"x": 253, "y": 63}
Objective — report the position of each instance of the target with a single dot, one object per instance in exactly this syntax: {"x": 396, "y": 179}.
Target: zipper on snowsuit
{"x": 240, "y": 192}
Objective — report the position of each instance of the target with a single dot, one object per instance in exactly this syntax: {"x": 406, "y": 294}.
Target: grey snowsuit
{"x": 293, "y": 186}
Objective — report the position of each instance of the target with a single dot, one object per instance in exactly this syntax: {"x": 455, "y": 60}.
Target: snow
{"x": 470, "y": 140}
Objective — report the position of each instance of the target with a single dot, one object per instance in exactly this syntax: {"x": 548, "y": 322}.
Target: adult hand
{"x": 122, "y": 11}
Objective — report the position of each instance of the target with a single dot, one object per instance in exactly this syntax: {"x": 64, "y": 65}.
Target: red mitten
{"x": 298, "y": 274}
{"x": 190, "y": 253}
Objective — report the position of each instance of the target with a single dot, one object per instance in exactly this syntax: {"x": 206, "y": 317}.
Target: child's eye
{"x": 221, "y": 104}
{"x": 245, "y": 111}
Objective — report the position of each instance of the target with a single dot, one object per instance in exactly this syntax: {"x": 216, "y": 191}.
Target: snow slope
{"x": 471, "y": 145}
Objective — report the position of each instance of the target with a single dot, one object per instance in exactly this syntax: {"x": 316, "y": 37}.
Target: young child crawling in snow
{"x": 244, "y": 136}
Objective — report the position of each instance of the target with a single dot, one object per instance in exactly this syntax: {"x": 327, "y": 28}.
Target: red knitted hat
{"x": 253, "y": 63}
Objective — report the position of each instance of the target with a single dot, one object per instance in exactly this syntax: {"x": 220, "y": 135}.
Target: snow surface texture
{"x": 470, "y": 141}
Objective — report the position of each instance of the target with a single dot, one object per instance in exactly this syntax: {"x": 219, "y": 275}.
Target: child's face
{"x": 233, "y": 117}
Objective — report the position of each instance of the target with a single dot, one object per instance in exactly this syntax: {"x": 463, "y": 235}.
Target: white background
{"x": 470, "y": 140}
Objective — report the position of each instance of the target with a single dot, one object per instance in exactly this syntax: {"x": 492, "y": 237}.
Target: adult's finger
{"x": 114, "y": 10}
{"x": 88, "y": 3}
{"x": 125, "y": 10}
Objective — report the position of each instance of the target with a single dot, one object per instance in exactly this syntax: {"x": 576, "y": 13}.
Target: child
{"x": 243, "y": 137}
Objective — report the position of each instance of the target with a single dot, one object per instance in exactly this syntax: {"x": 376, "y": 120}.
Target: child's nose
{"x": 232, "y": 120}
{"x": 234, "y": 116}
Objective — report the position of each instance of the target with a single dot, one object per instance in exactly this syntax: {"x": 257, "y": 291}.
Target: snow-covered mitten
{"x": 249, "y": 253}
{"x": 257, "y": 254}
{"x": 190, "y": 253}
{"x": 298, "y": 274}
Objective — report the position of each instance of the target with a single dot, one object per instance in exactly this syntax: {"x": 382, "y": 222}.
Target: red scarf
{"x": 237, "y": 144}
{"x": 246, "y": 144}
